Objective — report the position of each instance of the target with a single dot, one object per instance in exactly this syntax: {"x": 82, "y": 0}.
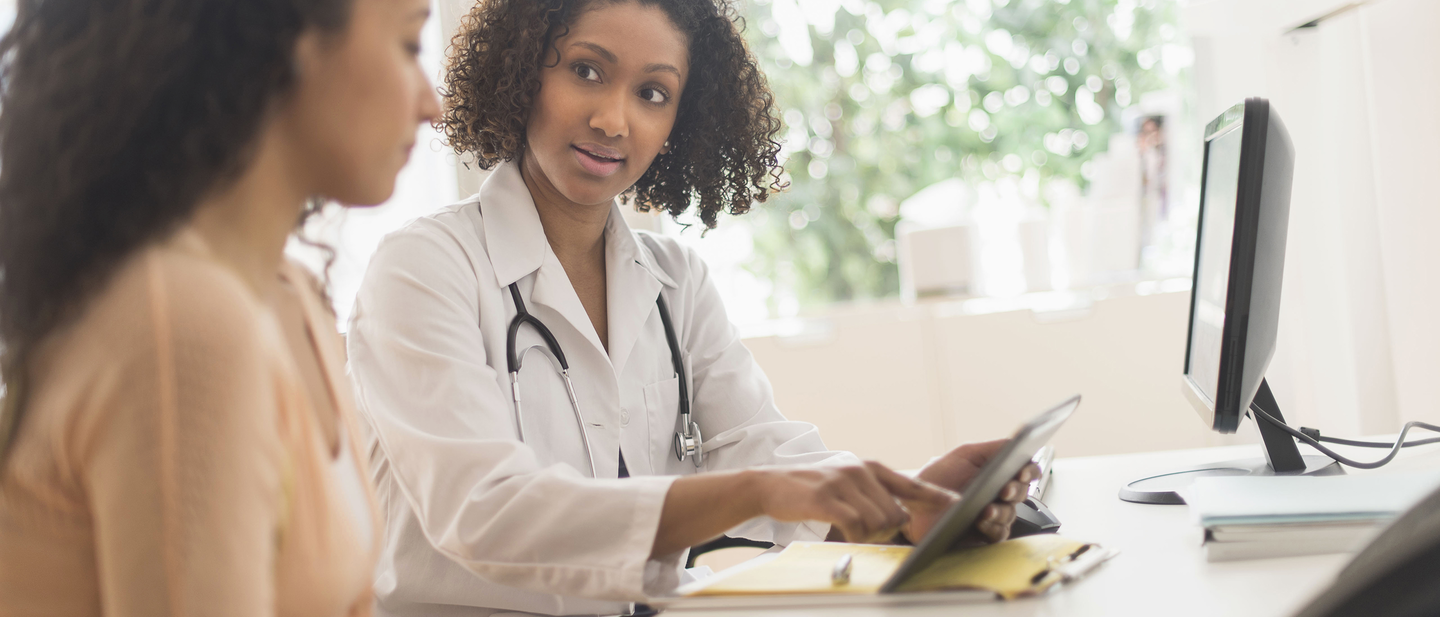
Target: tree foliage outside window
{"x": 882, "y": 98}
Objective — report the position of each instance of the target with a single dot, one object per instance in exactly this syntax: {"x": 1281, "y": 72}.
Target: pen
{"x": 841, "y": 575}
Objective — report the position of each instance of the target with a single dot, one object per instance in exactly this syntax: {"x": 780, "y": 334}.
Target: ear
{"x": 307, "y": 56}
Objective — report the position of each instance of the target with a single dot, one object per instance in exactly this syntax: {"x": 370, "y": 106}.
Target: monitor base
{"x": 1282, "y": 458}
{"x": 1162, "y": 489}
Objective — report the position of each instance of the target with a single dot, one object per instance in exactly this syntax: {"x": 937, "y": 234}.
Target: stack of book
{"x": 1251, "y": 517}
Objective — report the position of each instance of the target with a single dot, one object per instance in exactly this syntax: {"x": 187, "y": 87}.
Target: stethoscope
{"x": 687, "y": 442}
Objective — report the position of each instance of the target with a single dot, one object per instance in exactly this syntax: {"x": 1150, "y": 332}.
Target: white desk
{"x": 1161, "y": 569}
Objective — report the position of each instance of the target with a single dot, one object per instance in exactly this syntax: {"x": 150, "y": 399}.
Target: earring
{"x": 667, "y": 144}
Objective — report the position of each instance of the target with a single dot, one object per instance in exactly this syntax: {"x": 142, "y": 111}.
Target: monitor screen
{"x": 1212, "y": 272}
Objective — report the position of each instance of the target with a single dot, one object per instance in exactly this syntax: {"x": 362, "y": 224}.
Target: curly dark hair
{"x": 723, "y": 154}
{"x": 119, "y": 117}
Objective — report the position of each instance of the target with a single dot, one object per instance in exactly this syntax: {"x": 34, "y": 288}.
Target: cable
{"x": 1315, "y": 433}
{"x": 1315, "y": 443}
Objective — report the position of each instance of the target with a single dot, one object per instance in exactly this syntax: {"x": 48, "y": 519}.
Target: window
{"x": 980, "y": 113}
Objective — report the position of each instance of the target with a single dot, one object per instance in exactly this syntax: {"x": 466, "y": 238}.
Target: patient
{"x": 177, "y": 436}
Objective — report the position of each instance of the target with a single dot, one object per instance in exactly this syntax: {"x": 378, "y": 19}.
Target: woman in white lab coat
{"x": 574, "y": 102}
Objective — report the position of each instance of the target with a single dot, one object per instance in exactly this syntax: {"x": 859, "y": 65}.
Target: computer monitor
{"x": 1239, "y": 261}
{"x": 1235, "y": 297}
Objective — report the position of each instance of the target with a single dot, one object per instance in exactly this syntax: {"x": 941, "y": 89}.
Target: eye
{"x": 654, "y": 95}
{"x": 587, "y": 72}
{"x": 412, "y": 48}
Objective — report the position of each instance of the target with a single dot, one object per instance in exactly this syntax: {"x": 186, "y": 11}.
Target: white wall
{"x": 901, "y": 384}
{"x": 1403, "y": 62}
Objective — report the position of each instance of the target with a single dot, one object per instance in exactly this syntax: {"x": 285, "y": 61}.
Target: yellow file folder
{"x": 1010, "y": 569}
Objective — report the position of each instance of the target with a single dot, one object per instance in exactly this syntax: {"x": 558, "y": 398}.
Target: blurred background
{"x": 993, "y": 206}
{"x": 1023, "y": 140}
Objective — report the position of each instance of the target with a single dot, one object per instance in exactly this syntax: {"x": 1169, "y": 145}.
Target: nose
{"x": 429, "y": 107}
{"x": 608, "y": 116}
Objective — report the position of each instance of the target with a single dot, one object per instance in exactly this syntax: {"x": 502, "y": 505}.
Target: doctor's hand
{"x": 957, "y": 468}
{"x": 862, "y": 502}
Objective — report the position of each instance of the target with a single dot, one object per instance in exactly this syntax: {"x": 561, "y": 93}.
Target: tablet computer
{"x": 983, "y": 491}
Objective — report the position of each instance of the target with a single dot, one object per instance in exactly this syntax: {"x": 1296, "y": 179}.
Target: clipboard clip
{"x": 1075, "y": 565}
{"x": 841, "y": 574}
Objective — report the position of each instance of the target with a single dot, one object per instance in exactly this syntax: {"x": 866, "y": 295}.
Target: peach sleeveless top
{"x": 171, "y": 462}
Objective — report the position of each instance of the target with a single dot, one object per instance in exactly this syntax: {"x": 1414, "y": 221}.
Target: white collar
{"x": 515, "y": 240}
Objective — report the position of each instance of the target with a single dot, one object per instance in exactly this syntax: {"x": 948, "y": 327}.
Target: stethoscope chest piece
{"x": 688, "y": 444}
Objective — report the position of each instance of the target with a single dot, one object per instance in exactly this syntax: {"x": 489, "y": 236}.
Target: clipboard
{"x": 799, "y": 576}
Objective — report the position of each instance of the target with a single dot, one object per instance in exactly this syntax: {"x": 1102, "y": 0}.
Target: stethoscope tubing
{"x": 522, "y": 316}
{"x": 674, "y": 344}
{"x": 569, "y": 391}
{"x": 688, "y": 441}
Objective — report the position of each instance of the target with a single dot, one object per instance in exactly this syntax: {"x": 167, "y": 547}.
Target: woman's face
{"x": 607, "y": 102}
{"x": 360, "y": 94}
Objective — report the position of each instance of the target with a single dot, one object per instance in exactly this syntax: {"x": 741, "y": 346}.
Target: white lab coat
{"x": 478, "y": 522}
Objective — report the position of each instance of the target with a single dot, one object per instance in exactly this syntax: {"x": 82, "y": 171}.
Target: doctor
{"x": 506, "y": 492}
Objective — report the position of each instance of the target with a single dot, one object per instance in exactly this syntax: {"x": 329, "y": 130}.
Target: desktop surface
{"x": 1161, "y": 568}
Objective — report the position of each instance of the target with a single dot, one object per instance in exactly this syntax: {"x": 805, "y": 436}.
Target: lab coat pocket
{"x": 662, "y": 405}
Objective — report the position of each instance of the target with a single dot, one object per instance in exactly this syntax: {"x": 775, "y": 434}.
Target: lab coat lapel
{"x": 632, "y": 283}
{"x": 514, "y": 239}
{"x": 516, "y": 244}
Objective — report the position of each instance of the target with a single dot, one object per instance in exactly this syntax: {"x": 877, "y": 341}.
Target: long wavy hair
{"x": 723, "y": 155}
{"x": 117, "y": 117}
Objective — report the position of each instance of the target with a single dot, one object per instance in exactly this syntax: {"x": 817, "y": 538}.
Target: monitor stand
{"x": 1282, "y": 458}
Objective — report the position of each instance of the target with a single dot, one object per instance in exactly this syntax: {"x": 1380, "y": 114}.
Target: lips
{"x": 598, "y": 160}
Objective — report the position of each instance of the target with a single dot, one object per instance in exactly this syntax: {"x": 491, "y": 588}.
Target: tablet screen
{"x": 983, "y": 490}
